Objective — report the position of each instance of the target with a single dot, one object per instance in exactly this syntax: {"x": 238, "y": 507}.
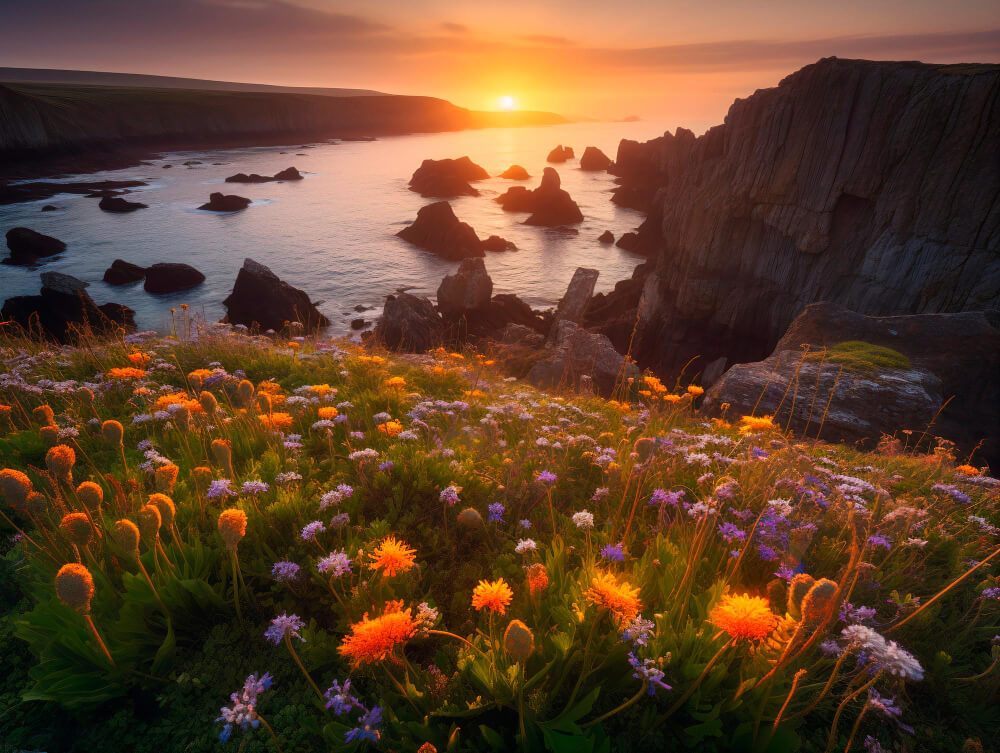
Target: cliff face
{"x": 47, "y": 118}
{"x": 873, "y": 185}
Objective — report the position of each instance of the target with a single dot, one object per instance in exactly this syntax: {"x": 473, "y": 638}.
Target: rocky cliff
{"x": 873, "y": 185}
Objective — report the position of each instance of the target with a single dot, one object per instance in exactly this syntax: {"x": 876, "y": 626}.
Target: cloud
{"x": 548, "y": 40}
{"x": 454, "y": 28}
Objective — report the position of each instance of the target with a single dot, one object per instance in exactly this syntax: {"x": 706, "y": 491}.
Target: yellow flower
{"x": 494, "y": 596}
{"x": 621, "y": 599}
{"x": 392, "y": 556}
{"x": 392, "y": 428}
{"x": 126, "y": 373}
{"x": 327, "y": 411}
{"x": 373, "y": 640}
{"x": 321, "y": 389}
{"x": 277, "y": 421}
{"x": 395, "y": 381}
{"x": 750, "y": 424}
{"x": 694, "y": 390}
{"x": 968, "y": 470}
{"x": 746, "y": 616}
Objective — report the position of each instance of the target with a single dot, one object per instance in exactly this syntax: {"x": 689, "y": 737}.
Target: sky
{"x": 680, "y": 62}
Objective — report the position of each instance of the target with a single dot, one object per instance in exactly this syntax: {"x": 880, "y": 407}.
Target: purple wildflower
{"x": 367, "y": 728}
{"x": 496, "y": 510}
{"x": 450, "y": 496}
{"x": 255, "y": 487}
{"x": 220, "y": 488}
{"x": 285, "y": 571}
{"x": 647, "y": 671}
{"x": 613, "y": 552}
{"x": 311, "y": 530}
{"x": 336, "y": 563}
{"x": 340, "y": 698}
{"x": 546, "y": 477}
{"x": 282, "y": 625}
{"x": 730, "y": 532}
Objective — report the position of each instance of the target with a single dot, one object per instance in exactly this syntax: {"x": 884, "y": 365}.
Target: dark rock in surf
{"x": 594, "y": 159}
{"x": 27, "y": 246}
{"x": 120, "y": 205}
{"x": 260, "y": 299}
{"x": 122, "y": 272}
{"x": 515, "y": 172}
{"x": 496, "y": 243}
{"x": 560, "y": 154}
{"x": 439, "y": 231}
{"x": 447, "y": 178}
{"x": 218, "y": 202}
{"x": 170, "y": 277}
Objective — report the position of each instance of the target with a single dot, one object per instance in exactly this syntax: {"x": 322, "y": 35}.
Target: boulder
{"x": 446, "y": 178}
{"x": 260, "y": 299}
{"x": 954, "y": 356}
{"x": 118, "y": 204}
{"x": 594, "y": 159}
{"x": 121, "y": 273}
{"x": 50, "y": 208}
{"x": 560, "y": 154}
{"x": 63, "y": 310}
{"x": 170, "y": 277}
{"x": 359, "y": 323}
{"x": 27, "y": 246}
{"x": 467, "y": 290}
{"x": 439, "y": 231}
{"x": 496, "y": 243}
{"x": 550, "y": 205}
{"x": 607, "y": 238}
{"x": 576, "y": 353}
{"x": 289, "y": 173}
{"x": 515, "y": 172}
{"x": 628, "y": 241}
{"x": 410, "y": 324}
{"x": 218, "y": 202}
{"x": 573, "y": 305}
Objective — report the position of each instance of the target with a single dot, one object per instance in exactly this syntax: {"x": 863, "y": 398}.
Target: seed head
{"x": 15, "y": 487}
{"x": 126, "y": 535}
{"x": 75, "y": 586}
{"x": 208, "y": 402}
{"x": 49, "y": 434}
{"x": 91, "y": 495}
{"x": 150, "y": 521}
{"x": 77, "y": 527}
{"x": 166, "y": 507}
{"x": 165, "y": 477}
{"x": 45, "y": 415}
{"x": 232, "y": 526}
{"x": 60, "y": 460}
{"x": 113, "y": 433}
{"x": 518, "y": 641}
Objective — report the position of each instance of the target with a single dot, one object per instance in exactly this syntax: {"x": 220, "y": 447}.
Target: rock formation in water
{"x": 594, "y": 159}
{"x": 27, "y": 246}
{"x": 409, "y": 324}
{"x": 64, "y": 309}
{"x": 120, "y": 205}
{"x": 260, "y": 299}
{"x": 560, "y": 154}
{"x": 549, "y": 204}
{"x": 468, "y": 290}
{"x": 872, "y": 185}
{"x": 851, "y": 391}
{"x": 439, "y": 231}
{"x": 446, "y": 178}
{"x": 606, "y": 238}
{"x": 122, "y": 272}
{"x": 289, "y": 173}
{"x": 171, "y": 277}
{"x": 515, "y": 172}
{"x": 496, "y": 243}
{"x": 218, "y": 202}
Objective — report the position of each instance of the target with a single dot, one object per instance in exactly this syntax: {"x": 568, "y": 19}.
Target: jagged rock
{"x": 518, "y": 334}
{"x": 594, "y": 159}
{"x": 289, "y": 173}
{"x": 261, "y": 299}
{"x": 515, "y": 172}
{"x": 169, "y": 277}
{"x": 218, "y": 202}
{"x": 64, "y": 308}
{"x": 27, "y": 246}
{"x": 496, "y": 243}
{"x": 951, "y": 355}
{"x": 715, "y": 369}
{"x": 873, "y": 184}
{"x": 573, "y": 305}
{"x": 607, "y": 238}
{"x": 121, "y": 273}
{"x": 560, "y": 154}
{"x": 118, "y": 204}
{"x": 550, "y": 204}
{"x": 577, "y": 352}
{"x": 447, "y": 178}
{"x": 409, "y": 324}
{"x": 628, "y": 242}
{"x": 438, "y": 230}
{"x": 614, "y": 314}
{"x": 193, "y": 162}
{"x": 50, "y": 208}
{"x": 359, "y": 323}
{"x": 469, "y": 289}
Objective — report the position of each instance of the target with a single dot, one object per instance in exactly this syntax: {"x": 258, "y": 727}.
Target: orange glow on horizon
{"x": 507, "y": 102}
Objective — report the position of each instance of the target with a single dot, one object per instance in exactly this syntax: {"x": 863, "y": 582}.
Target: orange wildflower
{"x": 750, "y": 424}
{"x": 621, "y": 599}
{"x": 968, "y": 470}
{"x": 138, "y": 359}
{"x": 232, "y": 526}
{"x": 126, "y": 372}
{"x": 372, "y": 640}
{"x": 277, "y": 421}
{"x": 694, "y": 390}
{"x": 494, "y": 596}
{"x": 392, "y": 556}
{"x": 744, "y": 616}
{"x": 392, "y": 428}
{"x": 395, "y": 381}
{"x": 327, "y": 411}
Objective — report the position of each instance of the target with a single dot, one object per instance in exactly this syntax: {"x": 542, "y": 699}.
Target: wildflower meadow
{"x": 216, "y": 541}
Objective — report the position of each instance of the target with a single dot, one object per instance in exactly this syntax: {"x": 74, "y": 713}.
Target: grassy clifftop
{"x": 489, "y": 566}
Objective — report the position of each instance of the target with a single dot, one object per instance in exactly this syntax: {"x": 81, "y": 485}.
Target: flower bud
{"x": 232, "y": 526}
{"x": 202, "y": 478}
{"x": 538, "y": 578}
{"x": 166, "y": 507}
{"x": 801, "y": 584}
{"x": 222, "y": 451}
{"x": 518, "y": 641}
{"x": 264, "y": 402}
{"x": 75, "y": 586}
{"x": 194, "y": 379}
{"x": 208, "y": 402}
{"x": 45, "y": 415}
{"x": 49, "y": 435}
{"x": 182, "y": 418}
{"x": 91, "y": 495}
{"x": 165, "y": 477}
{"x": 37, "y": 504}
{"x": 77, "y": 526}
{"x": 60, "y": 460}
{"x": 113, "y": 433}
{"x": 150, "y": 521}
{"x": 643, "y": 447}
{"x": 244, "y": 392}
{"x": 15, "y": 487}
{"x": 470, "y": 519}
{"x": 86, "y": 394}
{"x": 818, "y": 603}
{"x": 126, "y": 535}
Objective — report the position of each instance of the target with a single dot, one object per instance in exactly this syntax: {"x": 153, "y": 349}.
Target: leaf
{"x": 165, "y": 653}
{"x": 493, "y": 738}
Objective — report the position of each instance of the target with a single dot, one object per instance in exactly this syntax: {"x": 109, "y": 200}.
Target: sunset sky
{"x": 677, "y": 62}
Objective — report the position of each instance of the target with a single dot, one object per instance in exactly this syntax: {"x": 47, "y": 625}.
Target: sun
{"x": 507, "y": 102}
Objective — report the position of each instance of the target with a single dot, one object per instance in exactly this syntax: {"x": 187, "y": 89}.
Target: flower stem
{"x": 93, "y": 629}
{"x": 622, "y": 707}
{"x": 274, "y": 737}
{"x": 291, "y": 650}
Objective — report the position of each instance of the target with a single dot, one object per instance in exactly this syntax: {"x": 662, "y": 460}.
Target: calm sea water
{"x": 333, "y": 234}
